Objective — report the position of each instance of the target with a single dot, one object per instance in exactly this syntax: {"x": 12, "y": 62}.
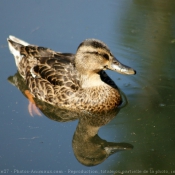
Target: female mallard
{"x": 72, "y": 81}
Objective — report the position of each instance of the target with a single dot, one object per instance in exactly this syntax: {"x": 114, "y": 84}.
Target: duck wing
{"x": 58, "y": 69}
{"x": 49, "y": 75}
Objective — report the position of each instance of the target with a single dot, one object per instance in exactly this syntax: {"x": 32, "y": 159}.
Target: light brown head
{"x": 93, "y": 55}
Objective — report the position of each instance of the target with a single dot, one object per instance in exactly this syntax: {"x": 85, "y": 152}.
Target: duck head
{"x": 93, "y": 55}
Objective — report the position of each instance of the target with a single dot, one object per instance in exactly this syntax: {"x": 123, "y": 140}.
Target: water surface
{"x": 141, "y": 34}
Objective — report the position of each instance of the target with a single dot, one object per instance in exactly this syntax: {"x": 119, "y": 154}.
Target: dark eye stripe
{"x": 106, "y": 56}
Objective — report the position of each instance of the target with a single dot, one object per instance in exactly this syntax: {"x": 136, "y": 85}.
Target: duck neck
{"x": 91, "y": 80}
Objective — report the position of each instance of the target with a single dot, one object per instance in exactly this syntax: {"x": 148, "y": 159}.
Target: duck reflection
{"x": 88, "y": 147}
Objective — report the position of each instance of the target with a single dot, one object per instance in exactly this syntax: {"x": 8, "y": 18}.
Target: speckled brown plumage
{"x": 72, "y": 81}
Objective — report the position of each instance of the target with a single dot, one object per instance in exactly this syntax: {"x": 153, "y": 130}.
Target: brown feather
{"x": 57, "y": 79}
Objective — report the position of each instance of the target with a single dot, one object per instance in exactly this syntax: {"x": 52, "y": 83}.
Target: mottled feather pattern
{"x": 72, "y": 81}
{"x": 55, "y": 73}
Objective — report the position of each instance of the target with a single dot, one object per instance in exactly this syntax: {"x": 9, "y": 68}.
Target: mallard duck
{"x": 72, "y": 81}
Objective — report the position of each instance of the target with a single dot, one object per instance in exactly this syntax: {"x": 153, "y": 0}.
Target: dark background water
{"x": 141, "y": 34}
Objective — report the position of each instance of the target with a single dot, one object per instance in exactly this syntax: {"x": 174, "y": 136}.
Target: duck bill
{"x": 121, "y": 68}
{"x": 112, "y": 147}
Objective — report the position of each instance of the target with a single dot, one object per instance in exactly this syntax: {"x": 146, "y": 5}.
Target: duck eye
{"x": 106, "y": 56}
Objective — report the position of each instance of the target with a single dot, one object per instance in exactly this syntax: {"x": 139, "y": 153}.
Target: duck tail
{"x": 17, "y": 40}
{"x": 15, "y": 45}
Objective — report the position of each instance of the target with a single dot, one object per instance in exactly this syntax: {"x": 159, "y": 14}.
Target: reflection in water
{"x": 88, "y": 147}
